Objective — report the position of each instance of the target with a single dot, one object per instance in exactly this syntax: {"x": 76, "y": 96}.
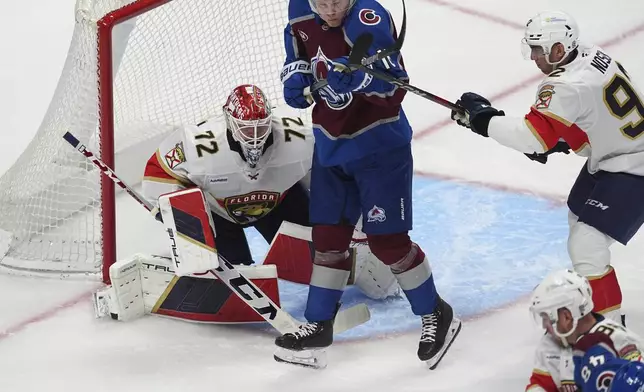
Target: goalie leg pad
{"x": 372, "y": 276}
{"x": 123, "y": 300}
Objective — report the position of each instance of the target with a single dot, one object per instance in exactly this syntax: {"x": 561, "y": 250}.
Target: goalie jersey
{"x": 554, "y": 368}
{"x": 207, "y": 156}
{"x": 593, "y": 105}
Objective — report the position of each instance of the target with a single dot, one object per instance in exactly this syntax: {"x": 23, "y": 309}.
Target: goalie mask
{"x": 248, "y": 117}
{"x": 563, "y": 289}
{"x": 546, "y": 29}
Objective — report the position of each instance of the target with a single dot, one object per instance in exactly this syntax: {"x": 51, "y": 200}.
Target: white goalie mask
{"x": 564, "y": 289}
{"x": 249, "y": 119}
{"x": 546, "y": 29}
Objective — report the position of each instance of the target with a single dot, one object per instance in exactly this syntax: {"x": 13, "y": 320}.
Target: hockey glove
{"x": 296, "y": 76}
{"x": 478, "y": 113}
{"x": 543, "y": 157}
{"x": 342, "y": 80}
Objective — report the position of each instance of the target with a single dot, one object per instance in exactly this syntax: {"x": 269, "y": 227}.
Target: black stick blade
{"x": 360, "y": 48}
{"x": 71, "y": 139}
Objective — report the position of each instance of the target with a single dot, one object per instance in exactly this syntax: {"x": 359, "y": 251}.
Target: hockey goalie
{"x": 252, "y": 167}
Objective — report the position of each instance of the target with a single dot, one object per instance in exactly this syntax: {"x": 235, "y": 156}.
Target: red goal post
{"x": 135, "y": 70}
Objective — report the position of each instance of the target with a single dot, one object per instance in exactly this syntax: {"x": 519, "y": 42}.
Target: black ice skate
{"x": 440, "y": 328}
{"x": 305, "y": 347}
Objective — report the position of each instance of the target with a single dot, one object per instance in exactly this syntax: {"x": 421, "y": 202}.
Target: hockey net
{"x": 134, "y": 70}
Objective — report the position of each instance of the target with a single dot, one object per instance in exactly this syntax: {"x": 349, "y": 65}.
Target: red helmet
{"x": 248, "y": 115}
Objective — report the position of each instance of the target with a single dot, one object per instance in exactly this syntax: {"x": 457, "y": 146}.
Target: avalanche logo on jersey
{"x": 605, "y": 378}
{"x": 250, "y": 207}
{"x": 376, "y": 214}
{"x": 369, "y": 17}
{"x": 320, "y": 64}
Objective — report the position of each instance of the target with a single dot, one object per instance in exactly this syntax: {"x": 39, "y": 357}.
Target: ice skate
{"x": 440, "y": 328}
{"x": 305, "y": 347}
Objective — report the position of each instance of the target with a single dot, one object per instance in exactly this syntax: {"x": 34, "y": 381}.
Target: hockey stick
{"x": 226, "y": 272}
{"x": 358, "y": 61}
{"x": 359, "y": 50}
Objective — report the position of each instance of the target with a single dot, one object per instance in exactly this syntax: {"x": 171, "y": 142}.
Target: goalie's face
{"x": 249, "y": 118}
{"x": 332, "y": 11}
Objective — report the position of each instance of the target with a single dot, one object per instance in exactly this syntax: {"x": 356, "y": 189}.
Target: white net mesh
{"x": 172, "y": 64}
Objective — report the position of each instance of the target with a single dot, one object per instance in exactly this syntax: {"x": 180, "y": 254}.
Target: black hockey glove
{"x": 478, "y": 113}
{"x": 543, "y": 157}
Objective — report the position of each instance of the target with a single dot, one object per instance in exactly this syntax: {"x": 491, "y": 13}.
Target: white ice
{"x": 50, "y": 341}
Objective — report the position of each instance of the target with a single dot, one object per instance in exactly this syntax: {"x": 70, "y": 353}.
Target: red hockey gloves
{"x": 478, "y": 113}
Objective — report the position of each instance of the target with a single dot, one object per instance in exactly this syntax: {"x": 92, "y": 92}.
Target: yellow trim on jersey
{"x": 540, "y": 372}
{"x": 584, "y": 145}
{"x": 556, "y": 117}
{"x": 595, "y": 277}
{"x": 169, "y": 171}
{"x": 536, "y": 134}
{"x": 162, "y": 180}
{"x": 533, "y": 386}
{"x": 616, "y": 307}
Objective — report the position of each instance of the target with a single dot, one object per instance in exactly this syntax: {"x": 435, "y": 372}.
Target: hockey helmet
{"x": 562, "y": 289}
{"x": 546, "y": 29}
{"x": 249, "y": 118}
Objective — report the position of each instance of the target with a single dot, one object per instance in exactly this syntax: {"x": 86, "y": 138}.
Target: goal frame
{"x": 105, "y": 78}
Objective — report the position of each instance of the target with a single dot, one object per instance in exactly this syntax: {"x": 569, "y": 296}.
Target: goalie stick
{"x": 281, "y": 320}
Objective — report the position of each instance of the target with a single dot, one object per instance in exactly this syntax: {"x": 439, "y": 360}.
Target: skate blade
{"x": 314, "y": 359}
{"x": 454, "y": 329}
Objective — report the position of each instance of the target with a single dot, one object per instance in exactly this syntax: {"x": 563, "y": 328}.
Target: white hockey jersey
{"x": 592, "y": 104}
{"x": 206, "y": 156}
{"x": 554, "y": 368}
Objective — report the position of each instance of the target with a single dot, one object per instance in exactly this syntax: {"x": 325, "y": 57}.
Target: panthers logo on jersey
{"x": 320, "y": 65}
{"x": 251, "y": 207}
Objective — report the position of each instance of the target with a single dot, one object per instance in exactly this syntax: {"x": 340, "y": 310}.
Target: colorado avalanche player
{"x": 600, "y": 367}
{"x": 362, "y": 164}
{"x": 587, "y": 103}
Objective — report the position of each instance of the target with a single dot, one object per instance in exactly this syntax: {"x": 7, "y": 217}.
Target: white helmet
{"x": 249, "y": 119}
{"x": 548, "y": 28}
{"x": 562, "y": 289}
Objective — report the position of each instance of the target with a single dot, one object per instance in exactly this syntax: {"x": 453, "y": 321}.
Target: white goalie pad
{"x": 373, "y": 277}
{"x": 292, "y": 252}
{"x": 145, "y": 284}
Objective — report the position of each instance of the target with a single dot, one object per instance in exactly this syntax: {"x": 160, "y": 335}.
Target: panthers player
{"x": 587, "y": 103}
{"x": 362, "y": 166}
{"x": 252, "y": 166}
{"x": 562, "y": 304}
